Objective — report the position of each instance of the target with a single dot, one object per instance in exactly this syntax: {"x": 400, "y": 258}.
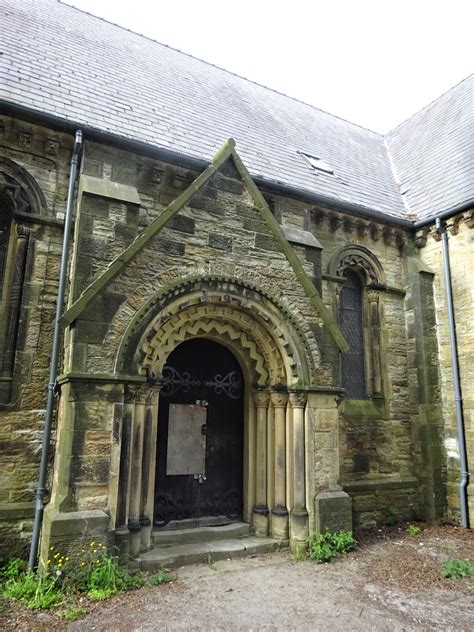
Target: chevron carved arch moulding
{"x": 272, "y": 346}
{"x": 357, "y": 257}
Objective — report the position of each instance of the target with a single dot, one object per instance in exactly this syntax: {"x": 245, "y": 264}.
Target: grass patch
{"x": 72, "y": 613}
{"x": 93, "y": 573}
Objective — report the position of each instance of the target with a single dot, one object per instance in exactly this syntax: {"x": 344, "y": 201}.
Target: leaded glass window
{"x": 352, "y": 328}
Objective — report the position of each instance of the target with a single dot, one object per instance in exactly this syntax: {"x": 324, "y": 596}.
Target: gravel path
{"x": 392, "y": 583}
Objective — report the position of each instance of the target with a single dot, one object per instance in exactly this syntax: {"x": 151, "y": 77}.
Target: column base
{"x": 298, "y": 530}
{"x": 279, "y": 529}
{"x": 134, "y": 539}
{"x": 145, "y": 534}
{"x": 260, "y": 520}
{"x": 122, "y": 545}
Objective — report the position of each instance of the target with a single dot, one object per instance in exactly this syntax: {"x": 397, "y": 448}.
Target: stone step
{"x": 206, "y": 552}
{"x": 201, "y": 534}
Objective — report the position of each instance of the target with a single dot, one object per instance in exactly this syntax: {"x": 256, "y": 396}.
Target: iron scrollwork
{"x": 172, "y": 381}
{"x": 230, "y": 384}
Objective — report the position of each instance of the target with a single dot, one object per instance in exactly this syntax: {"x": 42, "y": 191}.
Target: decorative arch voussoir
{"x": 223, "y": 299}
{"x": 357, "y": 257}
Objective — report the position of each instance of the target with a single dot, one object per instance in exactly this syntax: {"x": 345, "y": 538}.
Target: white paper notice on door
{"x": 186, "y": 440}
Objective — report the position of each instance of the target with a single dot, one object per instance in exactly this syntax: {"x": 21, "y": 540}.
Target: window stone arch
{"x": 20, "y": 196}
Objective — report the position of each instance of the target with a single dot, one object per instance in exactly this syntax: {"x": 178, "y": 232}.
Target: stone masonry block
{"x": 333, "y": 511}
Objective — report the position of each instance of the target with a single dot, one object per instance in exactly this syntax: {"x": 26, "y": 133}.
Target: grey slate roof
{"x": 433, "y": 153}
{"x": 66, "y": 63}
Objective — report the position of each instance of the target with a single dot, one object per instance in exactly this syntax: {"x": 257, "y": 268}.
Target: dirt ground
{"x": 392, "y": 582}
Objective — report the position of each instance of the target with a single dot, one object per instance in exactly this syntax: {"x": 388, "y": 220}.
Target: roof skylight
{"x": 317, "y": 163}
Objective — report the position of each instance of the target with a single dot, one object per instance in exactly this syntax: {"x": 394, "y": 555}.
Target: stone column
{"x": 136, "y": 472}
{"x": 299, "y": 514}
{"x": 122, "y": 532}
{"x": 374, "y": 320}
{"x": 280, "y": 511}
{"x": 260, "y": 511}
{"x": 148, "y": 467}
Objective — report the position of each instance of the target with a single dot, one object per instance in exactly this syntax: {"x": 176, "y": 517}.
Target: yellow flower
{"x": 97, "y": 561}
{"x": 56, "y": 555}
{"x": 51, "y": 548}
{"x": 67, "y": 559}
{"x": 94, "y": 551}
{"x": 48, "y": 562}
{"x": 92, "y": 543}
{"x": 83, "y": 563}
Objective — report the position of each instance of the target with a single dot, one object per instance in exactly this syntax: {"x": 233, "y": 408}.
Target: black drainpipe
{"x": 40, "y": 488}
{"x": 441, "y": 229}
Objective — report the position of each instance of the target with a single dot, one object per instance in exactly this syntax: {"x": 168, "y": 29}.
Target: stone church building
{"x": 256, "y": 327}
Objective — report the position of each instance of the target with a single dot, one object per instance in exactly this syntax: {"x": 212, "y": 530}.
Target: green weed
{"x": 324, "y": 547}
{"x": 100, "y": 594}
{"x": 413, "y": 529}
{"x": 161, "y": 577}
{"x": 210, "y": 562}
{"x": 93, "y": 572}
{"x": 457, "y": 569}
{"x": 72, "y": 613}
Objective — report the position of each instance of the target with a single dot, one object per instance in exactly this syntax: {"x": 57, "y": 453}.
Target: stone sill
{"x": 361, "y": 409}
{"x": 379, "y": 484}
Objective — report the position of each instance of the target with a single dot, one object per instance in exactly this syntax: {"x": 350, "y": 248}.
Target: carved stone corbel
{"x": 374, "y": 231}
{"x": 51, "y": 145}
{"x": 362, "y": 228}
{"x": 318, "y": 216}
{"x": 388, "y": 235}
{"x": 421, "y": 238}
{"x": 469, "y": 219}
{"x": 25, "y": 136}
{"x": 453, "y": 224}
{"x": 335, "y": 222}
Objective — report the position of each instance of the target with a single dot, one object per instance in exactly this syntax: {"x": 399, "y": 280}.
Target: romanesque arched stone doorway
{"x": 277, "y": 360}
{"x": 199, "y": 462}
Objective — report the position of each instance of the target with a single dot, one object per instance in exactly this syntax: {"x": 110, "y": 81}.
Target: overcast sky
{"x": 372, "y": 62}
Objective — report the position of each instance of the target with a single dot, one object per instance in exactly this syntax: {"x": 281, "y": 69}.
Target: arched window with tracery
{"x": 360, "y": 283}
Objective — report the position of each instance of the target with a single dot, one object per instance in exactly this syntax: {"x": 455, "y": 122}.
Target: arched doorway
{"x": 199, "y": 464}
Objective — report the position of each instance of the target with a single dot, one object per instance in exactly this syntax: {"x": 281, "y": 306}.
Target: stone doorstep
{"x": 207, "y": 552}
{"x": 163, "y": 538}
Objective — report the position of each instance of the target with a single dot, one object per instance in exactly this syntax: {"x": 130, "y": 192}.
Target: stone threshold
{"x": 207, "y": 552}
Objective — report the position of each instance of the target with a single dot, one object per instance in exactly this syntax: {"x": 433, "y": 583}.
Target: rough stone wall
{"x": 461, "y": 239}
{"x": 377, "y": 466}
{"x": 45, "y": 155}
{"x": 218, "y": 232}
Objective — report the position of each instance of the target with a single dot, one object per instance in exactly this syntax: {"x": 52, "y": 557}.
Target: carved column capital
{"x": 298, "y": 399}
{"x": 131, "y": 393}
{"x": 373, "y": 295}
{"x": 261, "y": 399}
{"x": 22, "y": 231}
{"x": 279, "y": 399}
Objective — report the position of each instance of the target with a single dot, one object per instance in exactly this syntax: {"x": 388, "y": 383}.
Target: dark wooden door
{"x": 199, "y": 467}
